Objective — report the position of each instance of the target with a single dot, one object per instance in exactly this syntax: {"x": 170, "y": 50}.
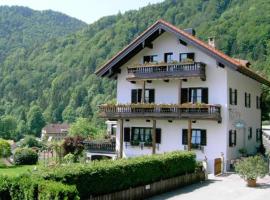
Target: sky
{"x": 85, "y": 10}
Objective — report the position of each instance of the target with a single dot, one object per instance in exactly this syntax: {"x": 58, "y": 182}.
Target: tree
{"x": 73, "y": 145}
{"x": 5, "y": 149}
{"x": 35, "y": 120}
{"x": 8, "y": 126}
{"x": 84, "y": 128}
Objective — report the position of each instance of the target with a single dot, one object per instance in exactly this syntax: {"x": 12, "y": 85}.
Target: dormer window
{"x": 185, "y": 57}
{"x": 168, "y": 57}
{"x": 149, "y": 59}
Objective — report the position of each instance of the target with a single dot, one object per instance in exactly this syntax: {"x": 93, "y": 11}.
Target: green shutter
{"x": 203, "y": 138}
{"x": 184, "y": 136}
{"x": 158, "y": 136}
{"x": 126, "y": 134}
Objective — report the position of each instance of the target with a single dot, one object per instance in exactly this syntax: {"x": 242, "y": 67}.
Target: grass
{"x": 16, "y": 170}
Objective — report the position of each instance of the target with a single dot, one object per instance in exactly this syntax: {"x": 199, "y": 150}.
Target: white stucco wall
{"x": 250, "y": 116}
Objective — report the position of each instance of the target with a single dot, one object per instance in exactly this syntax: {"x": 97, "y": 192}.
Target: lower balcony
{"x": 162, "y": 111}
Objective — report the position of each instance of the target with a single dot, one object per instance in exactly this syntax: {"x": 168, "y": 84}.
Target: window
{"x": 149, "y": 59}
{"x": 247, "y": 100}
{"x": 113, "y": 129}
{"x": 186, "y": 57}
{"x": 168, "y": 57}
{"x": 250, "y": 133}
{"x": 144, "y": 134}
{"x": 198, "y": 137}
{"x": 136, "y": 96}
{"x": 258, "y": 102}
{"x": 194, "y": 95}
{"x": 232, "y": 138}
{"x": 258, "y": 135}
{"x": 233, "y": 96}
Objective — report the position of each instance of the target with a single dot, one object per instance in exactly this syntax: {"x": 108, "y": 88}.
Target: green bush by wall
{"x": 109, "y": 176}
{"x": 30, "y": 188}
{"x": 25, "y": 156}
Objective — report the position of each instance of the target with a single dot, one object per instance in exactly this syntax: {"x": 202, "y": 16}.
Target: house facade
{"x": 175, "y": 92}
{"x": 54, "y": 132}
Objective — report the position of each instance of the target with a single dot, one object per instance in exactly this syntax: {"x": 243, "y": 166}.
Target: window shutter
{"x": 139, "y": 99}
{"x": 133, "y": 96}
{"x": 230, "y": 96}
{"x": 158, "y": 136}
{"x": 230, "y": 138}
{"x": 203, "y": 137}
{"x": 205, "y": 95}
{"x": 235, "y": 97}
{"x": 151, "y": 96}
{"x": 191, "y": 56}
{"x": 184, "y": 95}
{"x": 249, "y": 100}
{"x": 184, "y": 136}
{"x": 234, "y": 138}
{"x": 126, "y": 134}
{"x": 245, "y": 99}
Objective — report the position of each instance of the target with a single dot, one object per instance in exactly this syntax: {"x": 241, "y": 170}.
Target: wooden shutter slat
{"x": 139, "y": 98}
{"x": 184, "y": 136}
{"x": 158, "y": 136}
{"x": 235, "y": 97}
{"x": 245, "y": 99}
{"x": 235, "y": 137}
{"x": 126, "y": 134}
{"x": 205, "y": 95}
{"x": 134, "y": 96}
{"x": 203, "y": 138}
{"x": 184, "y": 95}
{"x": 151, "y": 96}
{"x": 230, "y": 138}
{"x": 230, "y": 96}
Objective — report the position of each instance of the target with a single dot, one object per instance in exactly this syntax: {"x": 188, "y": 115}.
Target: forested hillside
{"x": 57, "y": 77}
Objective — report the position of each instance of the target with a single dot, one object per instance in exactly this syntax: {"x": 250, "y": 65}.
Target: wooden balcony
{"x": 166, "y": 71}
{"x": 99, "y": 147}
{"x": 162, "y": 111}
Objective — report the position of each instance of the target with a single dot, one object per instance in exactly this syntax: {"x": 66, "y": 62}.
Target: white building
{"x": 175, "y": 92}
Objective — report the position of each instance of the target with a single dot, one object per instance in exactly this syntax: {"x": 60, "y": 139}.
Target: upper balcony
{"x": 164, "y": 70}
{"x": 162, "y": 111}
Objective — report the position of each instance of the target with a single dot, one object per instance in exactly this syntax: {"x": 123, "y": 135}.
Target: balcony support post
{"x": 189, "y": 134}
{"x": 154, "y": 137}
{"x": 121, "y": 138}
{"x": 143, "y": 92}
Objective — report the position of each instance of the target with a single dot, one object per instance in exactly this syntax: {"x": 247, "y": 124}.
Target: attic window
{"x": 182, "y": 42}
{"x": 220, "y": 65}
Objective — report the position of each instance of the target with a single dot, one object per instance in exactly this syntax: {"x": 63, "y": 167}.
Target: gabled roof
{"x": 110, "y": 67}
{"x": 56, "y": 128}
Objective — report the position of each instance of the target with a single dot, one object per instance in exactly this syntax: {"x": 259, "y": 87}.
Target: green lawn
{"x": 16, "y": 170}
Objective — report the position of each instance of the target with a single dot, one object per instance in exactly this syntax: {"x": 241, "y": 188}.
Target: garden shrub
{"x": 25, "y": 156}
{"x": 109, "y": 176}
{"x": 5, "y": 149}
{"x": 30, "y": 188}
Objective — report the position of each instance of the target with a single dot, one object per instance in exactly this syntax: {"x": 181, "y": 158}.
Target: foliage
{"x": 8, "y": 125}
{"x": 36, "y": 120}
{"x": 23, "y": 187}
{"x": 69, "y": 158}
{"x": 84, "y": 128}
{"x": 73, "y": 145}
{"x": 25, "y": 156}
{"x": 31, "y": 141}
{"x": 5, "y": 149}
{"x": 108, "y": 176}
{"x": 251, "y": 168}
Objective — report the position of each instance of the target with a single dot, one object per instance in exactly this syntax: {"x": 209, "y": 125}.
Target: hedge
{"x": 103, "y": 177}
{"x": 30, "y": 188}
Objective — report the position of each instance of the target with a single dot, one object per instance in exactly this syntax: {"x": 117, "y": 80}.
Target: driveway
{"x": 225, "y": 187}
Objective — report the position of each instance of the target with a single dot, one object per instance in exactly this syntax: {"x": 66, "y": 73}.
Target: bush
{"x": 109, "y": 176}
{"x": 251, "y": 168}
{"x": 25, "y": 156}
{"x": 31, "y": 141}
{"x": 28, "y": 188}
{"x": 5, "y": 149}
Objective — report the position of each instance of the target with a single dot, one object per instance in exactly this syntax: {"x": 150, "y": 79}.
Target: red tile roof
{"x": 240, "y": 65}
{"x": 56, "y": 128}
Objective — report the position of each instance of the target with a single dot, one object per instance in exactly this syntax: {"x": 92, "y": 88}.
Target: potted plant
{"x": 251, "y": 168}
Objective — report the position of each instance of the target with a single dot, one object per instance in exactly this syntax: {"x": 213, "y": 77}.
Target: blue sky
{"x": 86, "y": 10}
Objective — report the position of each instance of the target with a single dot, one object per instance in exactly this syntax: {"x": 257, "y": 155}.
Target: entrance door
{"x": 217, "y": 166}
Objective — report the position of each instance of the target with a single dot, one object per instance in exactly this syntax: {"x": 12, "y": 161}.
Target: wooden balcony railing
{"x": 167, "y": 71}
{"x": 168, "y": 111}
{"x": 100, "y": 146}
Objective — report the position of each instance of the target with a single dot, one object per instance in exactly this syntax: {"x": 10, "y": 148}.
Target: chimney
{"x": 190, "y": 31}
{"x": 211, "y": 42}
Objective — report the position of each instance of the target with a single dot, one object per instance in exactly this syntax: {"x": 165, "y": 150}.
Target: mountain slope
{"x": 58, "y": 76}
{"x": 23, "y": 27}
